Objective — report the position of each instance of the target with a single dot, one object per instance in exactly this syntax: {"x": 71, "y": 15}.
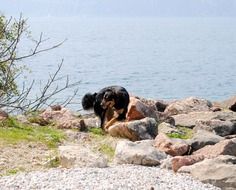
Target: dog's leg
{"x": 110, "y": 123}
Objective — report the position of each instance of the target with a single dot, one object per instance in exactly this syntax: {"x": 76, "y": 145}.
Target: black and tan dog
{"x": 111, "y": 98}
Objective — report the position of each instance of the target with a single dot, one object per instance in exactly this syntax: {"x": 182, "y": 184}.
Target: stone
{"x": 64, "y": 118}
{"x": 166, "y": 163}
{"x": 188, "y": 105}
{"x": 173, "y": 147}
{"x": 202, "y": 138}
{"x": 139, "y": 110}
{"x": 219, "y": 171}
{"x": 79, "y": 156}
{"x": 219, "y": 127}
{"x": 167, "y": 128}
{"x": 135, "y": 130}
{"x": 3, "y": 115}
{"x": 224, "y": 147}
{"x": 189, "y": 120}
{"x": 179, "y": 161}
{"x": 92, "y": 122}
{"x": 138, "y": 153}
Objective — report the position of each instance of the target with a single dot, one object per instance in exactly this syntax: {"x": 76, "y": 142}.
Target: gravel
{"x": 115, "y": 177}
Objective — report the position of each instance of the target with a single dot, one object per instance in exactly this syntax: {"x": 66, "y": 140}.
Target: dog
{"x": 109, "y": 99}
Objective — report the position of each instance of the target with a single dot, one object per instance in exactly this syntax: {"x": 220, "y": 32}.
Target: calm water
{"x": 164, "y": 58}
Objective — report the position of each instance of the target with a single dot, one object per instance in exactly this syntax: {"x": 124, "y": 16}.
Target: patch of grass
{"x": 54, "y": 162}
{"x": 97, "y": 131}
{"x": 107, "y": 150}
{"x": 184, "y": 133}
{"x": 13, "y": 171}
{"x": 12, "y": 132}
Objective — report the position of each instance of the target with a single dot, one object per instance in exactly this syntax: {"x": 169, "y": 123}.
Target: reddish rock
{"x": 179, "y": 161}
{"x": 224, "y": 147}
{"x": 63, "y": 117}
{"x": 139, "y": 110}
{"x": 174, "y": 147}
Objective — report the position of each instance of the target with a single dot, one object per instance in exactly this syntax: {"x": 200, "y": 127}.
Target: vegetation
{"x": 12, "y": 132}
{"x": 107, "y": 150}
{"x": 184, "y": 133}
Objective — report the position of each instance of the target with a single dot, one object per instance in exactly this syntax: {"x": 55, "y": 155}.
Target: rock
{"x": 173, "y": 147}
{"x": 135, "y": 130}
{"x": 189, "y": 120}
{"x": 202, "y": 138}
{"x": 167, "y": 128}
{"x": 179, "y": 161}
{"x": 219, "y": 127}
{"x": 3, "y": 115}
{"x": 219, "y": 171}
{"x": 224, "y": 147}
{"x": 158, "y": 105}
{"x": 139, "y": 110}
{"x": 138, "y": 153}
{"x": 188, "y": 105}
{"x": 92, "y": 122}
{"x": 229, "y": 103}
{"x": 166, "y": 163}
{"x": 78, "y": 156}
{"x": 63, "y": 117}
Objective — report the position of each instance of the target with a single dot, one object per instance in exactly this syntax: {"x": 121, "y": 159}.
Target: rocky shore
{"x": 180, "y": 144}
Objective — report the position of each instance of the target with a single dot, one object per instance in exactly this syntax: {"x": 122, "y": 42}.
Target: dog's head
{"x": 108, "y": 100}
{"x": 88, "y": 101}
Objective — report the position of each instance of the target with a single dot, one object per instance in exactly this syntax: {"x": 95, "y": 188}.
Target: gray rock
{"x": 167, "y": 128}
{"x": 135, "y": 130}
{"x": 219, "y": 127}
{"x": 220, "y": 171}
{"x": 191, "y": 104}
{"x": 189, "y": 120}
{"x": 138, "y": 153}
{"x": 79, "y": 156}
{"x": 92, "y": 122}
{"x": 202, "y": 138}
{"x": 229, "y": 103}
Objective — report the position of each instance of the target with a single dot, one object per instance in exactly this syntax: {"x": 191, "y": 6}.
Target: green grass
{"x": 185, "y": 133}
{"x": 12, "y": 132}
{"x": 107, "y": 150}
{"x": 96, "y": 131}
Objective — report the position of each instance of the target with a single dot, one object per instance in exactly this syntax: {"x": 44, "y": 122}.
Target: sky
{"x": 120, "y": 8}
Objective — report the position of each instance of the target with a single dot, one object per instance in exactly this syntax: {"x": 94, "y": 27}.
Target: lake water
{"x": 159, "y": 58}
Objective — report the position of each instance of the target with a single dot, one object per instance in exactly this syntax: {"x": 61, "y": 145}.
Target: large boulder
{"x": 224, "y": 147}
{"x": 219, "y": 171}
{"x": 79, "y": 156}
{"x": 173, "y": 147}
{"x": 188, "y": 105}
{"x": 190, "y": 119}
{"x": 135, "y": 130}
{"x": 202, "y": 138}
{"x": 63, "y": 117}
{"x": 138, "y": 153}
{"x": 139, "y": 110}
{"x": 219, "y": 127}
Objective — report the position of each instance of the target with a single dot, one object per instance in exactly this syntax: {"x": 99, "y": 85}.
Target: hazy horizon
{"x": 120, "y": 8}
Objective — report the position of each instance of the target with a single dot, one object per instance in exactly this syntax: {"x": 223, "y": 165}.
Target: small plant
{"x": 97, "y": 131}
{"x": 184, "y": 133}
{"x": 107, "y": 150}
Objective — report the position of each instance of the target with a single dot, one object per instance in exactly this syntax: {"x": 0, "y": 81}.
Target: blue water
{"x": 159, "y": 58}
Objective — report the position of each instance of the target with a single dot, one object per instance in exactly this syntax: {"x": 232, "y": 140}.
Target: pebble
{"x": 122, "y": 177}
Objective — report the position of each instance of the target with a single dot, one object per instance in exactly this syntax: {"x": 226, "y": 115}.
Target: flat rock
{"x": 219, "y": 171}
{"x": 191, "y": 104}
{"x": 167, "y": 128}
{"x": 79, "y": 156}
{"x": 224, "y": 147}
{"x": 138, "y": 153}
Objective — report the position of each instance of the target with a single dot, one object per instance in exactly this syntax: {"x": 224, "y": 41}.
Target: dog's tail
{"x": 88, "y": 101}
